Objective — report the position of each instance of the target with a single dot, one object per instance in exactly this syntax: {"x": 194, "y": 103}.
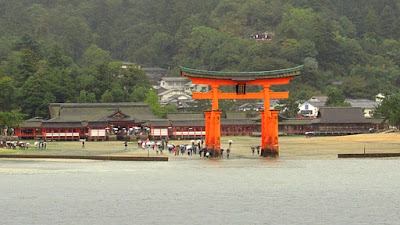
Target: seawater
{"x": 236, "y": 191}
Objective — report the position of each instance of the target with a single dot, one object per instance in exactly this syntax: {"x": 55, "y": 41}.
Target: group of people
{"x": 256, "y": 148}
{"x": 195, "y": 147}
{"x": 153, "y": 145}
{"x": 14, "y": 144}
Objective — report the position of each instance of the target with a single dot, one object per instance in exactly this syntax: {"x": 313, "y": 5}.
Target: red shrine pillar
{"x": 213, "y": 124}
{"x": 269, "y": 127}
{"x": 208, "y": 130}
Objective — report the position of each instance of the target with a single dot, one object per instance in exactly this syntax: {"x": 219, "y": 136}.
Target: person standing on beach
{"x": 228, "y": 151}
{"x": 83, "y": 143}
{"x": 126, "y": 145}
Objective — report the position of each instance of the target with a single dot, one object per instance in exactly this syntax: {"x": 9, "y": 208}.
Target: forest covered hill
{"x": 70, "y": 50}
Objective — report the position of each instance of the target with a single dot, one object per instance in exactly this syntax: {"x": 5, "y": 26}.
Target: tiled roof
{"x": 160, "y": 123}
{"x": 33, "y": 122}
{"x": 100, "y": 111}
{"x": 363, "y": 103}
{"x": 188, "y": 123}
{"x": 178, "y": 116}
{"x": 242, "y": 76}
{"x": 340, "y": 115}
{"x": 177, "y": 79}
{"x": 235, "y": 115}
{"x": 237, "y": 122}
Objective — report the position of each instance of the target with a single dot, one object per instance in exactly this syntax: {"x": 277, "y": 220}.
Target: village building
{"x": 341, "y": 121}
{"x": 92, "y": 121}
{"x": 257, "y": 106}
{"x": 155, "y": 74}
{"x": 177, "y": 91}
{"x": 368, "y": 106}
{"x": 311, "y": 107}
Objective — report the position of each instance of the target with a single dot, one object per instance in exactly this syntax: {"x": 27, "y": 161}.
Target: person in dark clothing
{"x": 228, "y": 151}
{"x": 252, "y": 150}
{"x": 222, "y": 153}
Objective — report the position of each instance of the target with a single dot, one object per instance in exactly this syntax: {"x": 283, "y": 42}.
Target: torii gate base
{"x": 269, "y": 133}
{"x": 212, "y": 140}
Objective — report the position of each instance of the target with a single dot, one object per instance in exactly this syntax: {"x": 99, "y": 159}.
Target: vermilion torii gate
{"x": 269, "y": 118}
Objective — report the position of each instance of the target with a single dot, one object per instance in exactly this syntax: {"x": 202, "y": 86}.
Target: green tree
{"x": 389, "y": 110}
{"x": 91, "y": 97}
{"x": 152, "y": 100}
{"x": 107, "y": 97}
{"x": 82, "y": 97}
{"x": 95, "y": 56}
{"x": 11, "y": 119}
{"x": 139, "y": 94}
{"x": 335, "y": 97}
{"x": 289, "y": 107}
{"x": 7, "y": 94}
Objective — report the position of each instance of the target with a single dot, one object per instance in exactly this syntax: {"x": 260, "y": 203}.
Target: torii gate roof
{"x": 241, "y": 76}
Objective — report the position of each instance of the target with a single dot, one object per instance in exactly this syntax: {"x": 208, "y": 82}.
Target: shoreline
{"x": 291, "y": 147}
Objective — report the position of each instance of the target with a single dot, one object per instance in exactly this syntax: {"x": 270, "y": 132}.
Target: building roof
{"x": 33, "y": 122}
{"x": 178, "y": 116}
{"x": 242, "y": 76}
{"x": 340, "y": 115}
{"x": 65, "y": 112}
{"x": 295, "y": 121}
{"x": 237, "y": 122}
{"x": 315, "y": 104}
{"x": 160, "y": 123}
{"x": 188, "y": 123}
{"x": 181, "y": 91}
{"x": 175, "y": 79}
{"x": 64, "y": 124}
{"x": 318, "y": 98}
{"x": 363, "y": 103}
{"x": 235, "y": 115}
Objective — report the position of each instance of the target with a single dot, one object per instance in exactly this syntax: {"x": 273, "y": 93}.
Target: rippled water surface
{"x": 238, "y": 191}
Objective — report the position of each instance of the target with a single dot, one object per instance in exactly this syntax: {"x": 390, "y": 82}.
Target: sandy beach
{"x": 291, "y": 147}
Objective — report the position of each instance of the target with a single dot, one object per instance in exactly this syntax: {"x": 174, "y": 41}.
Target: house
{"x": 264, "y": 36}
{"x": 341, "y": 121}
{"x": 258, "y": 105}
{"x": 311, "y": 106}
{"x": 251, "y": 106}
{"x": 173, "y": 83}
{"x": 170, "y": 95}
{"x": 155, "y": 74}
{"x": 368, "y": 106}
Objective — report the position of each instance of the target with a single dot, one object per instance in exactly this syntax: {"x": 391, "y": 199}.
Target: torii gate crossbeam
{"x": 269, "y": 118}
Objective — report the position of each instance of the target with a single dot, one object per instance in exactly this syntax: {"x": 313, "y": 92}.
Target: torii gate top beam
{"x": 231, "y": 78}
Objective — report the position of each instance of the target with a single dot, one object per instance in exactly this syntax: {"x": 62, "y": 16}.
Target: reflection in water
{"x": 238, "y": 191}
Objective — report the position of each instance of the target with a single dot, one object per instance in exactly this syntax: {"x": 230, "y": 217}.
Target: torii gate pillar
{"x": 269, "y": 133}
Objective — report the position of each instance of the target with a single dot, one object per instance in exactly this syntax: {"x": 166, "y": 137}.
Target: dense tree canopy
{"x": 70, "y": 51}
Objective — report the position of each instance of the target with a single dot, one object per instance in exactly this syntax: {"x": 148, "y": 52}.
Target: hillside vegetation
{"x": 70, "y": 50}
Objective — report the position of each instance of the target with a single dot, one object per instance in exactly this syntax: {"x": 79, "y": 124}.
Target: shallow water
{"x": 237, "y": 191}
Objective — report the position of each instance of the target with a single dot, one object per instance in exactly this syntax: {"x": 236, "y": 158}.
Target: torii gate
{"x": 269, "y": 118}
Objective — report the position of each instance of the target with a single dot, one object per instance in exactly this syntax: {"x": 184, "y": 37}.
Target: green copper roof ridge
{"x": 281, "y": 71}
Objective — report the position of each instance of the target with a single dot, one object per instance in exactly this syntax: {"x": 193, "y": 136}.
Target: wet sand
{"x": 291, "y": 147}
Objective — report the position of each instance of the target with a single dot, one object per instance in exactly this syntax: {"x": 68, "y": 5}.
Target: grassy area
{"x": 291, "y": 147}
